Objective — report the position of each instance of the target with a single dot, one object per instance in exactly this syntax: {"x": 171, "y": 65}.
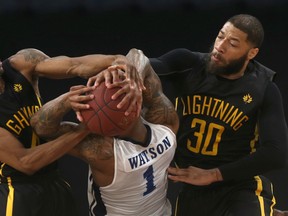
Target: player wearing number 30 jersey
{"x": 232, "y": 126}
{"x": 217, "y": 126}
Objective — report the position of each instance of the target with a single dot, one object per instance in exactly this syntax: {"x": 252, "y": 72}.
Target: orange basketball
{"x": 103, "y": 117}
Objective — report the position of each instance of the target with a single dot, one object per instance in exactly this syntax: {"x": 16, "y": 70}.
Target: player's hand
{"x": 78, "y": 97}
{"x": 195, "y": 176}
{"x": 132, "y": 86}
{"x": 131, "y": 73}
{"x": 116, "y": 77}
{"x": 109, "y": 76}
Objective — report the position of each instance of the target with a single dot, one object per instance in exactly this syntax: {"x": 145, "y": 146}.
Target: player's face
{"x": 233, "y": 66}
{"x": 230, "y": 53}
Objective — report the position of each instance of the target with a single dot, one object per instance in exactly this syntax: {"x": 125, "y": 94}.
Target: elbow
{"x": 34, "y": 122}
{"x": 44, "y": 134}
{"x": 43, "y": 130}
{"x": 27, "y": 167}
{"x": 29, "y": 162}
{"x": 284, "y": 160}
{"x": 280, "y": 160}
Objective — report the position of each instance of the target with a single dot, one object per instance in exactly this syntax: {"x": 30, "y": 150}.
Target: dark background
{"x": 82, "y": 27}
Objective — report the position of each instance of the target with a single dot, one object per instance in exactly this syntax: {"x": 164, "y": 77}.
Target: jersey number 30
{"x": 207, "y": 137}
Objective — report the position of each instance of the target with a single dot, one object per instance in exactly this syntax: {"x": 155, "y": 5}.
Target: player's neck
{"x": 232, "y": 76}
{"x": 2, "y": 85}
{"x": 138, "y": 133}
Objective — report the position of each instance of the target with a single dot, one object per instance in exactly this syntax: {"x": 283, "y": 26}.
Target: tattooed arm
{"x": 157, "y": 108}
{"x": 33, "y": 63}
{"x": 47, "y": 122}
{"x": 30, "y": 160}
{"x": 96, "y": 150}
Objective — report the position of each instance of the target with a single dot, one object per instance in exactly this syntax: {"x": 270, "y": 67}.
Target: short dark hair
{"x": 251, "y": 26}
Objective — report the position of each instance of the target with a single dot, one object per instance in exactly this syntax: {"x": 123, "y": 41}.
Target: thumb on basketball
{"x": 79, "y": 116}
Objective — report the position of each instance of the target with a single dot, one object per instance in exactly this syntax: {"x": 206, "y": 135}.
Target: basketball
{"x": 103, "y": 117}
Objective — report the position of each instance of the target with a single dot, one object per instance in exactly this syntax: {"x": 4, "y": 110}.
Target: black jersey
{"x": 219, "y": 118}
{"x": 18, "y": 103}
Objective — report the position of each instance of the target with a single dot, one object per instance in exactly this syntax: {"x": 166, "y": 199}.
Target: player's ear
{"x": 252, "y": 53}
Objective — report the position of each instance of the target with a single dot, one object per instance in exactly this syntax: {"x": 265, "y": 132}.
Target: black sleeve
{"x": 173, "y": 65}
{"x": 174, "y": 61}
{"x": 272, "y": 152}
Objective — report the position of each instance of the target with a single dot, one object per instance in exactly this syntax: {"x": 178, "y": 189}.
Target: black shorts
{"x": 252, "y": 197}
{"x": 45, "y": 196}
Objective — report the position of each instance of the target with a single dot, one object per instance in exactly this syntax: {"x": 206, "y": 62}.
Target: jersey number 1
{"x": 148, "y": 175}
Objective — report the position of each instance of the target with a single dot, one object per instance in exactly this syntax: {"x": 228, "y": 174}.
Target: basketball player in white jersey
{"x": 130, "y": 170}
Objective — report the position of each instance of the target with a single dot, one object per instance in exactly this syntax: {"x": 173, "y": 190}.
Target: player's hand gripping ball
{"x": 103, "y": 117}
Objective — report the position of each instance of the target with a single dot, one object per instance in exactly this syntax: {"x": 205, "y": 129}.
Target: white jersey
{"x": 139, "y": 187}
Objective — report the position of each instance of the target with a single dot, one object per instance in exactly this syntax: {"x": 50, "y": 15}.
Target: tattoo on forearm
{"x": 48, "y": 119}
{"x": 52, "y": 115}
{"x": 159, "y": 110}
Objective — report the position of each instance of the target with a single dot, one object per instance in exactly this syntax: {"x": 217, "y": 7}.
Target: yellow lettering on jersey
{"x": 14, "y": 127}
{"x": 207, "y": 103}
{"x": 29, "y": 111}
{"x": 221, "y": 110}
{"x": 212, "y": 107}
{"x": 196, "y": 106}
{"x": 184, "y": 108}
{"x": 20, "y": 119}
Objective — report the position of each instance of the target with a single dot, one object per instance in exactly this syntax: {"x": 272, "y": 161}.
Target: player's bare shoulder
{"x": 94, "y": 148}
{"x": 25, "y": 60}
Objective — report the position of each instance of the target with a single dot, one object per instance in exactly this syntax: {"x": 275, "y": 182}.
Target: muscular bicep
{"x": 26, "y": 61}
{"x": 33, "y": 63}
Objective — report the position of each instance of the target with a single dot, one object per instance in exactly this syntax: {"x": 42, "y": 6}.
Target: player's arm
{"x": 157, "y": 108}
{"x": 33, "y": 62}
{"x": 47, "y": 123}
{"x": 272, "y": 153}
{"x": 30, "y": 160}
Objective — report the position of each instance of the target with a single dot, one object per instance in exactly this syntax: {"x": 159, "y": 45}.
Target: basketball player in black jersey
{"x": 232, "y": 123}
{"x": 29, "y": 182}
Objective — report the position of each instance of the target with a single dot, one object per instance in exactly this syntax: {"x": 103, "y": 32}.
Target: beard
{"x": 1, "y": 69}
{"x": 229, "y": 68}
